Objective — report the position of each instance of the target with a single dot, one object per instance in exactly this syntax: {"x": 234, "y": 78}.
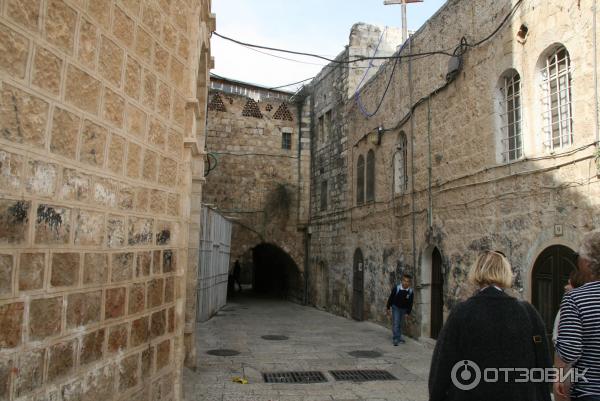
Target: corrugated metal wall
{"x": 215, "y": 243}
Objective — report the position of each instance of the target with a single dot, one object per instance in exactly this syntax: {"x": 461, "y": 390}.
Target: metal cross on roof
{"x": 403, "y": 3}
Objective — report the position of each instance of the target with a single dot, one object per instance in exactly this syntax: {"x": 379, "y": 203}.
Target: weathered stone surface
{"x": 25, "y": 12}
{"x": 137, "y": 299}
{"x": 147, "y": 362}
{"x": 52, "y": 225}
{"x": 136, "y": 121}
{"x": 11, "y": 323}
{"x": 100, "y": 11}
{"x": 169, "y": 289}
{"x": 176, "y": 72}
{"x": 169, "y": 257}
{"x": 65, "y": 133}
{"x": 126, "y": 197}
{"x": 123, "y": 27}
{"x": 140, "y": 231}
{"x": 60, "y": 25}
{"x": 133, "y": 6}
{"x": 115, "y": 231}
{"x": 76, "y": 186}
{"x": 11, "y": 171}
{"x": 134, "y": 160}
{"x": 155, "y": 292}
{"x": 128, "y": 372}
{"x": 172, "y": 320}
{"x": 165, "y": 233}
{"x": 116, "y": 153}
{"x": 100, "y": 384}
{"x": 41, "y": 178}
{"x": 179, "y": 110}
{"x": 167, "y": 172}
{"x": 144, "y": 45}
{"x": 158, "y": 324}
{"x": 105, "y": 192}
{"x": 115, "y": 303}
{"x": 140, "y": 331}
{"x": 31, "y": 369}
{"x": 64, "y": 269}
{"x": 122, "y": 267}
{"x": 83, "y": 90}
{"x": 95, "y": 268}
{"x": 6, "y": 275}
{"x": 47, "y": 71}
{"x": 61, "y": 359}
{"x": 111, "y": 61}
{"x": 156, "y": 262}
{"x": 83, "y": 308}
{"x": 161, "y": 60}
{"x": 113, "y": 108}
{"x": 45, "y": 317}
{"x": 88, "y": 44}
{"x": 175, "y": 143}
{"x": 89, "y": 228}
{"x": 93, "y": 144}
{"x": 92, "y": 346}
{"x": 117, "y": 338}
{"x": 133, "y": 78}
{"x": 14, "y": 49}
{"x": 32, "y": 268}
{"x": 170, "y": 36}
{"x": 149, "y": 90}
{"x": 142, "y": 199}
{"x": 184, "y": 47}
{"x": 164, "y": 100}
{"x": 6, "y": 369}
{"x": 23, "y": 117}
{"x": 173, "y": 204}
{"x": 143, "y": 264}
{"x": 14, "y": 218}
{"x": 157, "y": 133}
{"x": 163, "y": 354}
{"x": 149, "y": 169}
{"x": 151, "y": 17}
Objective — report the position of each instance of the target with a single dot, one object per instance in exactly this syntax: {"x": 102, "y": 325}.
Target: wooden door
{"x": 437, "y": 294}
{"x": 358, "y": 286}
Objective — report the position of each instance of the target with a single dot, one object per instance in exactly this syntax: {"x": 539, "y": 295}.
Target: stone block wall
{"x": 471, "y": 202}
{"x": 94, "y": 195}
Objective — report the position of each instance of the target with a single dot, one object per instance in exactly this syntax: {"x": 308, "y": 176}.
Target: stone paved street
{"x": 317, "y": 341}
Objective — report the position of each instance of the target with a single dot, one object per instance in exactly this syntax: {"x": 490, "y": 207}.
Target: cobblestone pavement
{"x": 317, "y": 341}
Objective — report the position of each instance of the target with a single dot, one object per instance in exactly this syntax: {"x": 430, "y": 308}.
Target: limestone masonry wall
{"x": 95, "y": 188}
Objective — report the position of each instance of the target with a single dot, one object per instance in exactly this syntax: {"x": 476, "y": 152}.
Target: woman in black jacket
{"x": 493, "y": 331}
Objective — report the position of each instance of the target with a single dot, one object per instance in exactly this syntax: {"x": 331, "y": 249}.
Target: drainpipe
{"x": 412, "y": 156}
{"x": 429, "y": 167}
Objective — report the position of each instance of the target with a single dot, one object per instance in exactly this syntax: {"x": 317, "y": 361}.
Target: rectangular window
{"x": 324, "y": 195}
{"x": 286, "y": 140}
{"x": 511, "y": 129}
{"x": 320, "y": 129}
{"x": 327, "y": 126}
{"x": 556, "y": 87}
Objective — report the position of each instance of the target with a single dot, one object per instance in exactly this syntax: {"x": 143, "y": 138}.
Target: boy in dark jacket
{"x": 401, "y": 303}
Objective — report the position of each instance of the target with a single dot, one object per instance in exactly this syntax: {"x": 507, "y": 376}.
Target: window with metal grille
{"x": 370, "y": 175}
{"x": 511, "y": 132}
{"x": 360, "y": 180}
{"x": 401, "y": 165}
{"x": 557, "y": 100}
{"x": 286, "y": 140}
{"x": 324, "y": 195}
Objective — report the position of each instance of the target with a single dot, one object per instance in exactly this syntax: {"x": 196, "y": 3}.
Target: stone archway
{"x": 275, "y": 272}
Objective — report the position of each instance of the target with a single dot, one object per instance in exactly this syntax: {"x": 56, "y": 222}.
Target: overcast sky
{"x": 312, "y": 26}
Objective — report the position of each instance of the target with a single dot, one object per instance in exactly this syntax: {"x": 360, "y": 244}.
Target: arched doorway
{"x": 437, "y": 294}
{"x": 549, "y": 275}
{"x": 358, "y": 286}
{"x": 275, "y": 272}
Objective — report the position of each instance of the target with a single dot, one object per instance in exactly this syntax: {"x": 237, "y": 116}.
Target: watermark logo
{"x": 466, "y": 375}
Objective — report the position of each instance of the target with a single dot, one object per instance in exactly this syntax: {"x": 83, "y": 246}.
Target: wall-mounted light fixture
{"x": 374, "y": 136}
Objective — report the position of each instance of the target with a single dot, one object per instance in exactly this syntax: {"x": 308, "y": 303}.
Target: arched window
{"x": 360, "y": 180}
{"x": 556, "y": 99}
{"x": 401, "y": 165}
{"x": 511, "y": 116}
{"x": 370, "y": 175}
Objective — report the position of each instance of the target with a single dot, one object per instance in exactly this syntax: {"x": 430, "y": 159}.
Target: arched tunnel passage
{"x": 275, "y": 273}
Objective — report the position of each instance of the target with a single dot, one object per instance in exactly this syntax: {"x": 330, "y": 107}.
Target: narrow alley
{"x": 301, "y": 339}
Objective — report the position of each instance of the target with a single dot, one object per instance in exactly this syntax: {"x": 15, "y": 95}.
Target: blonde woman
{"x": 493, "y": 331}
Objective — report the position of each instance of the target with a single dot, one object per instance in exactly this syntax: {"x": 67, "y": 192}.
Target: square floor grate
{"x": 294, "y": 377}
{"x": 361, "y": 375}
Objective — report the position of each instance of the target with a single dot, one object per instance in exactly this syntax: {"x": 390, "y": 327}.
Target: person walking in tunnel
{"x": 578, "y": 340}
{"x": 237, "y": 273}
{"x": 401, "y": 302}
{"x": 490, "y": 331}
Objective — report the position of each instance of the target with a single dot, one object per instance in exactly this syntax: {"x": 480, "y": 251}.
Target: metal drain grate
{"x": 295, "y": 377}
{"x": 365, "y": 354}
{"x": 223, "y": 352}
{"x": 275, "y": 337}
{"x": 361, "y": 375}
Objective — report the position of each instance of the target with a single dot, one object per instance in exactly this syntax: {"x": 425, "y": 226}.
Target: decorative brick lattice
{"x": 283, "y": 113}
{"x": 251, "y": 109}
{"x": 216, "y": 103}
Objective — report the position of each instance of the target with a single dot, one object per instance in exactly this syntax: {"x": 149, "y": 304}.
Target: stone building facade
{"x": 101, "y": 127}
{"x": 488, "y": 143}
{"x": 258, "y": 146}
